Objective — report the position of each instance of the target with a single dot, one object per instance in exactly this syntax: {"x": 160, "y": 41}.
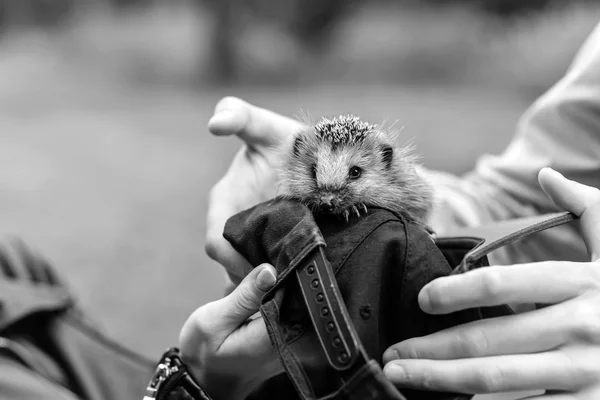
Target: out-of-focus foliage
{"x": 300, "y": 41}
{"x": 34, "y": 12}
{"x": 500, "y": 8}
{"x": 308, "y": 19}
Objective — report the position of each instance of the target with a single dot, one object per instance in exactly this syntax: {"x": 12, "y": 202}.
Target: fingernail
{"x": 394, "y": 372}
{"x": 424, "y": 300}
{"x": 221, "y": 118}
{"x": 553, "y": 171}
{"x": 266, "y": 279}
{"x": 390, "y": 355}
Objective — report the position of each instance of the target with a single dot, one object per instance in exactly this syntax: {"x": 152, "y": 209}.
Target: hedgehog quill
{"x": 344, "y": 165}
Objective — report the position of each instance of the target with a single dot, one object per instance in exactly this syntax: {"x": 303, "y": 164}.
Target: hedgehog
{"x": 344, "y": 165}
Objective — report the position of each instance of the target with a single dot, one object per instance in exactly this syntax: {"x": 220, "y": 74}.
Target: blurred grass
{"x": 105, "y": 162}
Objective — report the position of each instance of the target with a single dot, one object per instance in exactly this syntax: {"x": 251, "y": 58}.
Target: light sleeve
{"x": 560, "y": 130}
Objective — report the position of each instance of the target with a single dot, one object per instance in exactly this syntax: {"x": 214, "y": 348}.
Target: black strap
{"x": 517, "y": 229}
{"x": 328, "y": 312}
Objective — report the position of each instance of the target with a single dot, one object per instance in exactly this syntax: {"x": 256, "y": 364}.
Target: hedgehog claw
{"x": 346, "y": 215}
{"x": 364, "y": 207}
{"x": 355, "y": 209}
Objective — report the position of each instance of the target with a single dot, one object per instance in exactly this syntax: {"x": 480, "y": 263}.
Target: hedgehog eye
{"x": 355, "y": 172}
{"x": 313, "y": 171}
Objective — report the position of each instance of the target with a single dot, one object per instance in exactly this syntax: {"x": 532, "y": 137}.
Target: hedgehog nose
{"x": 327, "y": 202}
{"x": 327, "y": 206}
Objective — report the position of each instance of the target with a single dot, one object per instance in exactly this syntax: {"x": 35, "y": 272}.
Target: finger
{"x": 254, "y": 125}
{"x": 543, "y": 282}
{"x": 556, "y": 396}
{"x": 220, "y": 250}
{"x": 580, "y": 199}
{"x": 568, "y": 194}
{"x": 215, "y": 321}
{"x": 532, "y": 332}
{"x": 222, "y": 205}
{"x": 541, "y": 371}
{"x": 244, "y": 300}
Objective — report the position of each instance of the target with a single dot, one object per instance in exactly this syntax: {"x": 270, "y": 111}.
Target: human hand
{"x": 250, "y": 179}
{"x": 229, "y": 353}
{"x": 555, "y": 348}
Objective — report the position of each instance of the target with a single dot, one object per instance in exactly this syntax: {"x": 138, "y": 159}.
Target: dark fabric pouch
{"x": 345, "y": 292}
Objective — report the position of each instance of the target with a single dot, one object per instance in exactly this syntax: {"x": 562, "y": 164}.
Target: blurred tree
{"x": 130, "y": 3}
{"x": 313, "y": 20}
{"x": 514, "y": 8}
{"x": 505, "y": 9}
{"x": 46, "y": 13}
{"x": 309, "y": 22}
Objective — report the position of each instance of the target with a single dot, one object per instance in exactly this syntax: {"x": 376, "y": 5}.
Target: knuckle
{"x": 584, "y": 372}
{"x": 427, "y": 380}
{"x": 438, "y": 301}
{"x": 225, "y": 102}
{"x": 198, "y": 323}
{"x": 211, "y": 247}
{"x": 473, "y": 342}
{"x": 591, "y": 276}
{"x": 593, "y": 198}
{"x": 488, "y": 380}
{"x": 491, "y": 284}
{"x": 247, "y": 301}
{"x": 406, "y": 351}
{"x": 586, "y": 321}
{"x": 577, "y": 369}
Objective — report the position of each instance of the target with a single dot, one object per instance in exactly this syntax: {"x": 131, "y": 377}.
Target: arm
{"x": 560, "y": 130}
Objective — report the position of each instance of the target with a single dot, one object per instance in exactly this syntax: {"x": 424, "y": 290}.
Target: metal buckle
{"x": 163, "y": 371}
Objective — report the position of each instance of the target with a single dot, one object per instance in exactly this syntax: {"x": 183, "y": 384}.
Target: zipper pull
{"x": 163, "y": 371}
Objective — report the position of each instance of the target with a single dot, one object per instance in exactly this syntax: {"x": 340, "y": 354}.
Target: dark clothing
{"x": 48, "y": 350}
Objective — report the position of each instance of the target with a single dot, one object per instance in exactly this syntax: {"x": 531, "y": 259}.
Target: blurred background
{"x": 105, "y": 161}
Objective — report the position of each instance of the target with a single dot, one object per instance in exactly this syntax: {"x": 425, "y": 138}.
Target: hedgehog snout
{"x": 328, "y": 201}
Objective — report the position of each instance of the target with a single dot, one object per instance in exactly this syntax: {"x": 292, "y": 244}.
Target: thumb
{"x": 213, "y": 322}
{"x": 581, "y": 200}
{"x": 244, "y": 300}
{"x": 254, "y": 125}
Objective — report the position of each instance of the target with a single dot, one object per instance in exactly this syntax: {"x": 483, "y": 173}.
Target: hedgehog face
{"x": 343, "y": 165}
{"x": 336, "y": 177}
{"x": 344, "y": 177}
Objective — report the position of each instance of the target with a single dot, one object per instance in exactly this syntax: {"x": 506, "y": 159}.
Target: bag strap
{"x": 328, "y": 312}
{"x": 495, "y": 236}
{"x": 338, "y": 338}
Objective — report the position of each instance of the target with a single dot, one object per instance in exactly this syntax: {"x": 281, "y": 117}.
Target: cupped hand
{"x": 228, "y": 352}
{"x": 250, "y": 179}
{"x": 555, "y": 349}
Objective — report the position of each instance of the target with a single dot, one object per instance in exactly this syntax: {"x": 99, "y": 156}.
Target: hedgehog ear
{"x": 388, "y": 155}
{"x": 297, "y": 145}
